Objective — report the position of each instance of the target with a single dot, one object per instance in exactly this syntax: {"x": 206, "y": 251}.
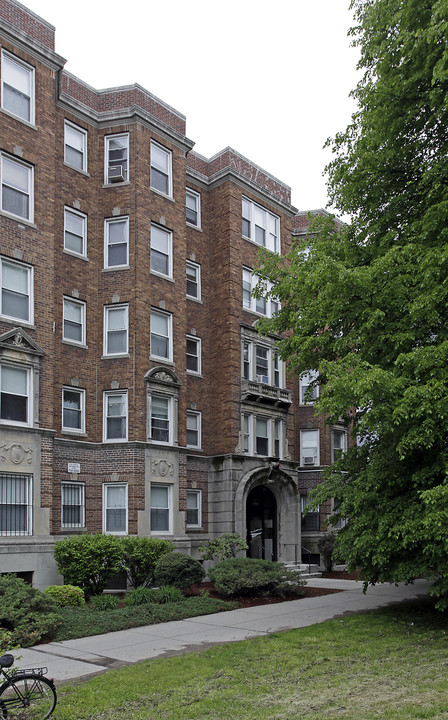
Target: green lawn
{"x": 387, "y": 664}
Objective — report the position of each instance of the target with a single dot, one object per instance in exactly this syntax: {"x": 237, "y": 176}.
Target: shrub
{"x": 89, "y": 561}
{"x": 326, "y": 549}
{"x": 28, "y": 614}
{"x": 140, "y": 596}
{"x": 224, "y": 547}
{"x": 179, "y": 570}
{"x": 6, "y": 641}
{"x": 65, "y": 595}
{"x": 140, "y": 555}
{"x": 247, "y": 576}
{"x": 104, "y": 602}
{"x": 168, "y": 594}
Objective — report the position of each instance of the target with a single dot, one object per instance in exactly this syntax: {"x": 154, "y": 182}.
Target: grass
{"x": 389, "y": 664}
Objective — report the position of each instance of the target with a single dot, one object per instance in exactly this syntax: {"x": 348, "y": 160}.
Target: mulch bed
{"x": 243, "y": 601}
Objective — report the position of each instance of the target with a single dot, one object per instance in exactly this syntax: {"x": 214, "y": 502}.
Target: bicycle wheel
{"x": 27, "y": 697}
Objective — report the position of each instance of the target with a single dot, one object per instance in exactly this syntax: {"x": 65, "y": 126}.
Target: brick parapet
{"x": 28, "y": 23}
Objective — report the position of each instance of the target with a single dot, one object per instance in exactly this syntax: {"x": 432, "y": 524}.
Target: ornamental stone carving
{"x": 16, "y": 452}
{"x": 162, "y": 468}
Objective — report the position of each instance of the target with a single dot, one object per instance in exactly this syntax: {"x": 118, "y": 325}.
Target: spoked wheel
{"x": 27, "y": 697}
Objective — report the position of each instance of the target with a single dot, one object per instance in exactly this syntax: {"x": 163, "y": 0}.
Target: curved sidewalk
{"x": 73, "y": 659}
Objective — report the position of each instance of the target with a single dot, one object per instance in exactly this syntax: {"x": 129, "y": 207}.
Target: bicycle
{"x": 26, "y": 694}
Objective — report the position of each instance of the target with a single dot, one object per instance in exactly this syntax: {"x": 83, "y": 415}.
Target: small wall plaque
{"x": 74, "y": 468}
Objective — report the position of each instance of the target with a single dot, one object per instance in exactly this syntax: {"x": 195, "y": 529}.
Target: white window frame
{"x": 108, "y": 222}
{"x": 108, "y": 179}
{"x": 169, "y": 174}
{"x": 83, "y": 136}
{"x": 305, "y": 454}
{"x": 266, "y": 307}
{"x": 168, "y": 510}
{"x": 27, "y": 481}
{"x": 29, "y": 294}
{"x": 169, "y": 420}
{"x": 106, "y": 488}
{"x": 197, "y": 270}
{"x": 109, "y": 310}
{"x": 83, "y": 217}
{"x": 82, "y": 407}
{"x": 255, "y": 218}
{"x": 168, "y": 254}
{"x": 197, "y": 341}
{"x": 82, "y": 305}
{"x": 338, "y": 432}
{"x": 197, "y": 198}
{"x": 74, "y": 487}
{"x": 304, "y": 383}
{"x": 191, "y": 492}
{"x": 28, "y": 192}
{"x": 274, "y": 424}
{"x": 314, "y": 515}
{"x": 198, "y": 429}
{"x": 109, "y": 394}
{"x": 169, "y": 336}
{"x": 249, "y": 364}
{"x": 8, "y": 58}
{"x": 28, "y": 394}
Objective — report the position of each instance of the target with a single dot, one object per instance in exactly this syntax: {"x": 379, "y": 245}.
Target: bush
{"x": 224, "y": 547}
{"x": 140, "y": 596}
{"x": 247, "y": 576}
{"x": 168, "y": 594}
{"x": 89, "y": 561}
{"x": 140, "y": 555}
{"x": 65, "y": 595}
{"x": 104, "y": 602}
{"x": 326, "y": 549}
{"x": 28, "y": 614}
{"x": 179, "y": 570}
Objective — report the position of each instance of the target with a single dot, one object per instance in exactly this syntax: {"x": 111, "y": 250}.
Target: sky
{"x": 270, "y": 79}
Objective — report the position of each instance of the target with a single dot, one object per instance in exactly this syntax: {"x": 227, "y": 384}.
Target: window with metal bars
{"x": 73, "y": 507}
{"x": 15, "y": 504}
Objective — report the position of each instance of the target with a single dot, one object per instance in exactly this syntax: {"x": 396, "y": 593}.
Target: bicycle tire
{"x": 27, "y": 697}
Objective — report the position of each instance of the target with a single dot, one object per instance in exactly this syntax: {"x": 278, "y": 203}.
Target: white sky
{"x": 270, "y": 79}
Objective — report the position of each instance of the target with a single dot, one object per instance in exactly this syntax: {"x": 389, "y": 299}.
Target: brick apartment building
{"x": 136, "y": 395}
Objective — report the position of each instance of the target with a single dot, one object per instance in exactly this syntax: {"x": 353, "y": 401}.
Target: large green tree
{"x": 366, "y": 304}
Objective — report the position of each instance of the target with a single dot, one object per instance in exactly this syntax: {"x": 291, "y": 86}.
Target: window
{"x": 161, "y": 422}
{"x": 193, "y": 208}
{"x": 160, "y": 508}
{"x": 338, "y": 444}
{"x": 115, "y": 518}
{"x": 309, "y": 447}
{"x": 262, "y": 364}
{"x": 116, "y": 330}
{"x": 263, "y": 306}
{"x": 74, "y": 321}
{"x": 116, "y": 242}
{"x": 161, "y": 173}
{"x": 17, "y": 87}
{"x": 260, "y": 225}
{"x": 115, "y": 413}
{"x": 262, "y": 435}
{"x": 75, "y": 146}
{"x": 15, "y": 395}
{"x": 17, "y": 188}
{"x": 73, "y": 409}
{"x": 15, "y": 504}
{"x": 161, "y": 340}
{"x": 161, "y": 251}
{"x": 16, "y": 283}
{"x": 308, "y": 392}
{"x": 75, "y": 232}
{"x": 193, "y": 429}
{"x": 193, "y": 355}
{"x": 193, "y": 280}
{"x": 72, "y": 503}
{"x": 310, "y": 521}
{"x": 116, "y": 156}
{"x": 194, "y": 502}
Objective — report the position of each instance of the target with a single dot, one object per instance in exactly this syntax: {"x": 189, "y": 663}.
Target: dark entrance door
{"x": 261, "y": 523}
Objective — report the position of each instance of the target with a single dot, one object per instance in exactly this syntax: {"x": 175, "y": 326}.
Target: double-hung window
{"x": 194, "y": 502}
{"x": 193, "y": 429}
{"x": 75, "y": 232}
{"x": 193, "y": 355}
{"x": 15, "y": 395}
{"x": 193, "y": 208}
{"x": 193, "y": 280}
{"x": 16, "y": 504}
{"x": 74, "y": 321}
{"x": 161, "y": 418}
{"x": 161, "y": 251}
{"x": 160, "y": 508}
{"x": 17, "y": 87}
{"x": 263, "y": 306}
{"x": 311, "y": 519}
{"x": 309, "y": 391}
{"x": 116, "y": 323}
{"x": 262, "y": 435}
{"x": 161, "y": 169}
{"x": 115, "y": 508}
{"x": 115, "y": 415}
{"x": 309, "y": 447}
{"x": 116, "y": 242}
{"x": 73, "y": 410}
{"x": 116, "y": 156}
{"x": 260, "y": 225}
{"x": 16, "y": 297}
{"x": 161, "y": 335}
{"x": 75, "y": 146}
{"x": 17, "y": 180}
{"x": 73, "y": 505}
{"x": 262, "y": 364}
{"x": 338, "y": 444}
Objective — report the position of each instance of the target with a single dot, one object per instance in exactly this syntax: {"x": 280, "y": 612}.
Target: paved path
{"x": 73, "y": 659}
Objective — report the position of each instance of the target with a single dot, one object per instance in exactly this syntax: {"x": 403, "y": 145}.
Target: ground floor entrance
{"x": 261, "y": 523}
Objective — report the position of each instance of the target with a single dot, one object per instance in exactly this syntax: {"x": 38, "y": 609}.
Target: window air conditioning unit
{"x": 308, "y": 460}
{"x": 262, "y": 379}
{"x": 116, "y": 174}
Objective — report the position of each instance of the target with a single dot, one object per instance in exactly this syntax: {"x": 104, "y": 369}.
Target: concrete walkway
{"x": 73, "y": 659}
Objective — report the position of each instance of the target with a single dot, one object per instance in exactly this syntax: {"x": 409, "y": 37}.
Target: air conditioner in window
{"x": 308, "y": 460}
{"x": 262, "y": 379}
{"x": 116, "y": 173}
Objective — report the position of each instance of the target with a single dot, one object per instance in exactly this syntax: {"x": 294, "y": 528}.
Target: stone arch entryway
{"x": 261, "y": 523}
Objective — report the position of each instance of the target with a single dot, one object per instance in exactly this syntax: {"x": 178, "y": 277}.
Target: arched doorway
{"x": 261, "y": 523}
